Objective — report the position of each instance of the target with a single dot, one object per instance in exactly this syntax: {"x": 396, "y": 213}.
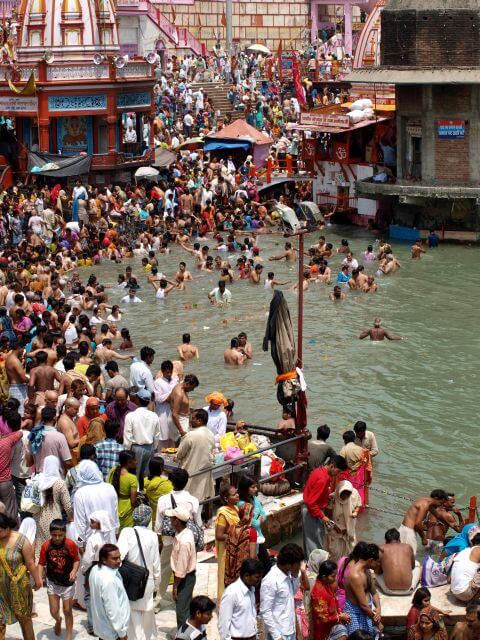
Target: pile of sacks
{"x": 361, "y": 110}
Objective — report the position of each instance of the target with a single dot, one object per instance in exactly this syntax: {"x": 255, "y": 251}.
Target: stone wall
{"x": 263, "y": 22}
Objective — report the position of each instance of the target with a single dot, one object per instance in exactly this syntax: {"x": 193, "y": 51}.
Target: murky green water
{"x": 419, "y": 396}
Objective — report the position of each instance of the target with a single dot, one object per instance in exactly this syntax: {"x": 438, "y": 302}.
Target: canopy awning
{"x": 328, "y": 129}
{"x": 225, "y": 145}
{"x": 57, "y": 166}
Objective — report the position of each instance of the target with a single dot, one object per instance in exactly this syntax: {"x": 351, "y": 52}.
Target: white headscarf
{"x": 88, "y": 473}
{"x": 49, "y": 475}
{"x": 345, "y": 506}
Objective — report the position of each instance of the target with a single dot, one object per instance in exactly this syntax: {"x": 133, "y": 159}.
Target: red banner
{"x": 297, "y": 81}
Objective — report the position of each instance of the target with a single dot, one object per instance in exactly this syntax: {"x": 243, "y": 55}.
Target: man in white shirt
{"x": 277, "y": 592}
{"x": 220, "y": 295}
{"x": 207, "y": 195}
{"x": 217, "y": 418}
{"x": 162, "y": 388}
{"x": 132, "y": 297}
{"x": 237, "y": 617}
{"x": 365, "y": 439}
{"x": 141, "y": 433}
{"x": 188, "y": 124}
{"x": 140, "y": 374}
{"x": 179, "y": 479}
{"x": 130, "y": 135}
{"x": 79, "y": 191}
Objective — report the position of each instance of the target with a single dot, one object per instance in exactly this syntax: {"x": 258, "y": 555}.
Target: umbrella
{"x": 279, "y": 333}
{"x": 259, "y": 48}
{"x": 191, "y": 144}
{"x": 146, "y": 172}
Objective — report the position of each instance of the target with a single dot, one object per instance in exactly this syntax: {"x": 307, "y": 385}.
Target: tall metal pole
{"x": 300, "y": 300}
{"x": 228, "y": 29}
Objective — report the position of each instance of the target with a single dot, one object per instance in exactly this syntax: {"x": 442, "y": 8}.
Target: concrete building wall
{"x": 263, "y": 22}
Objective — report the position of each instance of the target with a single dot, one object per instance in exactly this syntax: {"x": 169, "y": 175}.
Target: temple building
{"x": 437, "y": 78}
{"x": 71, "y": 91}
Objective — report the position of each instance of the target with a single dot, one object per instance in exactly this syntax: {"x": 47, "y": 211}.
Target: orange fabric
{"x": 290, "y": 375}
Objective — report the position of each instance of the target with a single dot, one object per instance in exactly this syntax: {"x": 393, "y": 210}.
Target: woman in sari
{"x": 327, "y": 618}
{"x": 227, "y": 517}
{"x": 241, "y": 544}
{"x": 346, "y": 504}
{"x": 16, "y": 562}
{"x": 359, "y": 466}
{"x": 429, "y": 626}
{"x": 125, "y": 483}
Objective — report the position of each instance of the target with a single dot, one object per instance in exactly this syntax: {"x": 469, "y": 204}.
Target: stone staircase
{"x": 217, "y": 95}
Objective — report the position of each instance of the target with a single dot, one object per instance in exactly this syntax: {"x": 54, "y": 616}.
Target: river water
{"x": 419, "y": 396}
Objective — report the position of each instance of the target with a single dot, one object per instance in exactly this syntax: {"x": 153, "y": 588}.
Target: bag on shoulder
{"x": 169, "y": 530}
{"x": 30, "y": 500}
{"x": 134, "y": 576}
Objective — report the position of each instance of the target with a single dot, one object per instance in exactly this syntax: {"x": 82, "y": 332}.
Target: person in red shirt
{"x": 315, "y": 497}
{"x": 326, "y": 615}
{"x": 59, "y": 557}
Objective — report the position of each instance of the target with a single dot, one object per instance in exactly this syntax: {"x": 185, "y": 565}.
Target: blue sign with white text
{"x": 448, "y": 129}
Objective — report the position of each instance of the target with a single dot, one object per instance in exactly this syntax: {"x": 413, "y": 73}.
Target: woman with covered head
{"x": 54, "y": 499}
{"x": 142, "y": 615}
{"x": 346, "y": 504}
{"x": 92, "y": 494}
{"x": 430, "y": 626}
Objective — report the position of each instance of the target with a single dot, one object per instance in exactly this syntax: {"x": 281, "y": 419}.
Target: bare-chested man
{"x": 413, "y": 519}
{"x": 186, "y": 350}
{"x": 337, "y": 293}
{"x": 42, "y": 379}
{"x": 17, "y": 378}
{"x": 436, "y": 530}
{"x": 180, "y": 403}
{"x": 362, "y": 603}
{"x": 417, "y": 250}
{"x": 233, "y": 355}
{"x": 389, "y": 265}
{"x": 51, "y": 352}
{"x": 398, "y": 573}
{"x": 288, "y": 254}
{"x": 377, "y": 333}
{"x": 66, "y": 425}
{"x": 104, "y": 353}
{"x": 470, "y": 629}
{"x": 370, "y": 286}
{"x": 245, "y": 346}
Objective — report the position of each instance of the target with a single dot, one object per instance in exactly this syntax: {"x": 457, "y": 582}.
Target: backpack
{"x": 30, "y": 501}
{"x": 168, "y": 529}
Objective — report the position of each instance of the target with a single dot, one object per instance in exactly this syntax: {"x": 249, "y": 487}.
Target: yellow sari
{"x": 226, "y": 517}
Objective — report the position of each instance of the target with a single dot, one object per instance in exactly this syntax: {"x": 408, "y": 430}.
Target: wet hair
{"x": 326, "y": 569}
{"x": 439, "y": 494}
{"x": 58, "y": 525}
{"x": 348, "y": 436}
{"x": 191, "y": 380}
{"x": 186, "y": 338}
{"x": 360, "y": 426}
{"x": 391, "y": 535}
{"x": 354, "y": 554}
{"x": 105, "y": 551}
{"x": 250, "y": 566}
{"x": 155, "y": 467}
{"x": 48, "y": 414}
{"x": 323, "y": 432}
{"x": 167, "y": 365}
{"x": 290, "y": 554}
{"x": 41, "y": 357}
{"x": 234, "y": 343}
{"x": 201, "y": 604}
{"x": 419, "y": 596}
{"x": 179, "y": 478}
{"x": 111, "y": 366}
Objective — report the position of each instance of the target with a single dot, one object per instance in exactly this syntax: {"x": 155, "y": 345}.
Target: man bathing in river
{"x": 413, "y": 521}
{"x": 377, "y": 333}
{"x": 186, "y": 350}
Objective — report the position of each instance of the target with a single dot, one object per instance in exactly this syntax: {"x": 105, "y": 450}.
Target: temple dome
{"x": 71, "y": 29}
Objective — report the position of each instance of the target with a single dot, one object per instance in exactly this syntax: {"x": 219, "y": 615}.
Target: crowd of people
{"x": 86, "y": 506}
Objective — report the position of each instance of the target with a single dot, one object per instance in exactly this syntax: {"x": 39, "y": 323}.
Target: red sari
{"x": 324, "y": 607}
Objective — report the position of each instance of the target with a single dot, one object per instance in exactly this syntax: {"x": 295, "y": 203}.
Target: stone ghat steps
{"x": 217, "y": 95}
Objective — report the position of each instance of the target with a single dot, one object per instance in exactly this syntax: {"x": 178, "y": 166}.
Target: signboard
{"x": 309, "y": 145}
{"x": 451, "y": 129}
{"x": 325, "y": 120}
{"x": 286, "y": 65}
{"x": 18, "y": 104}
{"x": 340, "y": 151}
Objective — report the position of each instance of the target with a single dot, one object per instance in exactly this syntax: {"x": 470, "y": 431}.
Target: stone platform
{"x": 396, "y": 608}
